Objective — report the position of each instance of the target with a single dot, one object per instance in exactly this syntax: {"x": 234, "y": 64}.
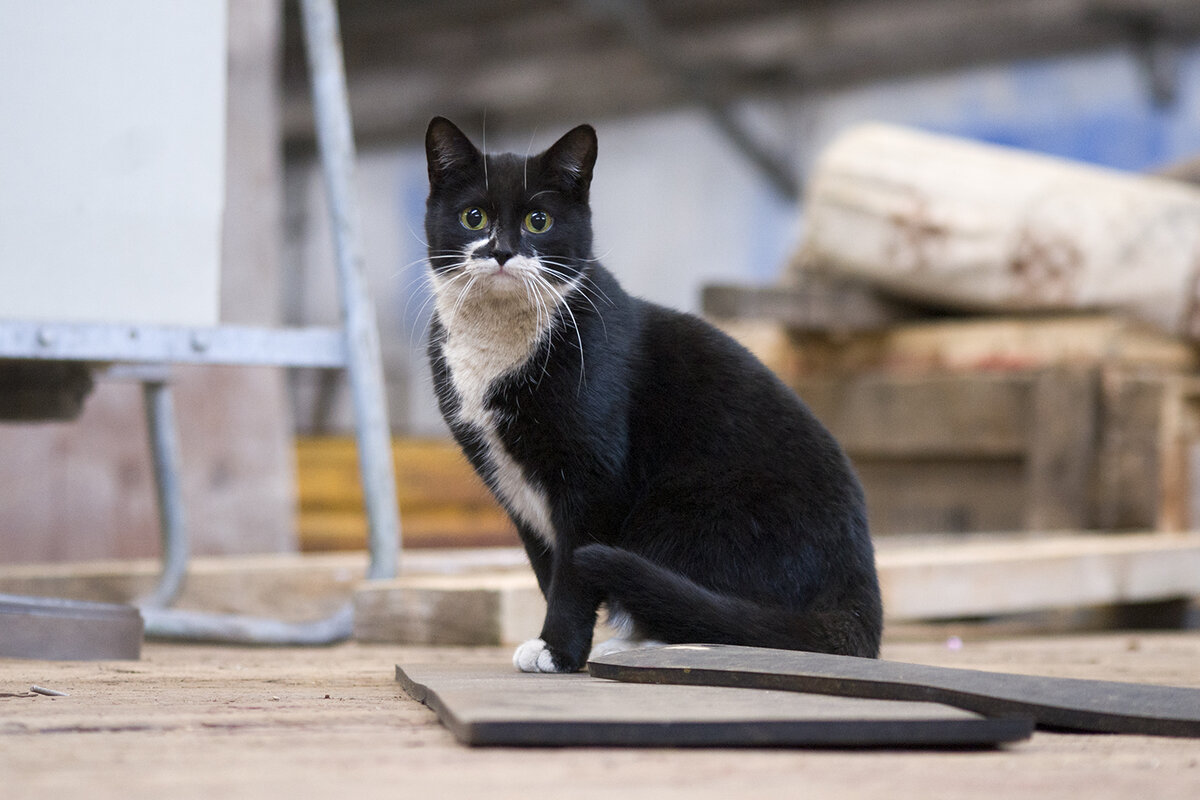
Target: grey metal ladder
{"x": 144, "y": 353}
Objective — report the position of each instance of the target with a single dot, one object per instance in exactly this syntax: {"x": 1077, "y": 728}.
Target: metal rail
{"x": 163, "y": 344}
{"x": 164, "y": 450}
{"x": 335, "y": 142}
{"x": 360, "y": 346}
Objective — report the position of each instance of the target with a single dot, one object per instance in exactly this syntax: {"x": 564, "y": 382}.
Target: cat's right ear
{"x": 448, "y": 150}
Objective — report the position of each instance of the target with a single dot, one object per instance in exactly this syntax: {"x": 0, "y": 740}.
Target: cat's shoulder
{"x": 687, "y": 332}
{"x": 657, "y": 331}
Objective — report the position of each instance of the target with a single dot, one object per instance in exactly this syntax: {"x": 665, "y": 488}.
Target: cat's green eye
{"x": 473, "y": 218}
{"x": 538, "y": 221}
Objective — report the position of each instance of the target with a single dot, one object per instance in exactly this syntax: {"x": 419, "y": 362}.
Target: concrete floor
{"x": 204, "y": 721}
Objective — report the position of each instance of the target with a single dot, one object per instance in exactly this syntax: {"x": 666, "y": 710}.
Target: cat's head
{"x": 508, "y": 220}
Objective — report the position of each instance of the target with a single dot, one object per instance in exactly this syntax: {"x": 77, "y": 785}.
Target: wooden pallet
{"x": 442, "y": 502}
{"x": 985, "y": 424}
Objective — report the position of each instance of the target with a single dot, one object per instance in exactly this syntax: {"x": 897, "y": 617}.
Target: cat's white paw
{"x": 534, "y": 656}
{"x": 618, "y": 644}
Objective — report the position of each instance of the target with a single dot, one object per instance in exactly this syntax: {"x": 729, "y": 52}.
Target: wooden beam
{"x": 1063, "y": 429}
{"x": 950, "y": 415}
{"x": 929, "y": 581}
{"x": 960, "y": 345}
{"x": 290, "y": 586}
{"x": 1023, "y": 575}
{"x": 481, "y": 609}
{"x": 491, "y": 596}
{"x": 817, "y": 304}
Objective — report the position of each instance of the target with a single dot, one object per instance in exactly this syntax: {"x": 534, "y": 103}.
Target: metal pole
{"x": 364, "y": 367}
{"x": 168, "y": 623}
{"x": 202, "y": 626}
{"x": 164, "y": 450}
{"x": 365, "y": 370}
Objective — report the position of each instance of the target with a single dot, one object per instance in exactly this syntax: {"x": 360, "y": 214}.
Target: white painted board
{"x": 112, "y": 147}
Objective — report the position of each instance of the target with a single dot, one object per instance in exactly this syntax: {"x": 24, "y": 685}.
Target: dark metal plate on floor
{"x": 493, "y": 705}
{"x": 1063, "y": 703}
{"x": 68, "y": 630}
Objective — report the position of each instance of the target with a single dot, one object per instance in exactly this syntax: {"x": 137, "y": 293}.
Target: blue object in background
{"x": 1095, "y": 108}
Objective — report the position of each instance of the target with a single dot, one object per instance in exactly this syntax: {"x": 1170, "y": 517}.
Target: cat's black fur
{"x": 687, "y": 486}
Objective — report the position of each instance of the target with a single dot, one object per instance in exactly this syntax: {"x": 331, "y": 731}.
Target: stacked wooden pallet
{"x": 1002, "y": 341}
{"x": 1060, "y": 422}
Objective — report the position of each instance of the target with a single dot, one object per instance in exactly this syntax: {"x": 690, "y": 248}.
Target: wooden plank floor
{"x": 202, "y": 721}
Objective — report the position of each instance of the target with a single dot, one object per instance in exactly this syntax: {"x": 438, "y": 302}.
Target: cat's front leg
{"x": 567, "y": 632}
{"x": 538, "y": 655}
{"x": 535, "y": 656}
{"x": 540, "y": 554}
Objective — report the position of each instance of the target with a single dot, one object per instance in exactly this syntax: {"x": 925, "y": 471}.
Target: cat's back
{"x": 704, "y": 398}
{"x": 693, "y": 364}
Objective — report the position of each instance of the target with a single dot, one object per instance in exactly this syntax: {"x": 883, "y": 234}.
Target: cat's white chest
{"x": 487, "y": 338}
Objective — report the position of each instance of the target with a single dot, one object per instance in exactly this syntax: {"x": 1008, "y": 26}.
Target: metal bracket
{"x": 147, "y": 349}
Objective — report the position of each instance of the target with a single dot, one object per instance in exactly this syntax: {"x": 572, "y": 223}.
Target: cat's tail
{"x": 669, "y": 607}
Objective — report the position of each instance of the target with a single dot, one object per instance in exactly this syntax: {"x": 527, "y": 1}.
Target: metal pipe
{"x": 363, "y": 365}
{"x": 365, "y": 371}
{"x": 164, "y": 450}
{"x": 169, "y": 623}
{"x": 200, "y": 626}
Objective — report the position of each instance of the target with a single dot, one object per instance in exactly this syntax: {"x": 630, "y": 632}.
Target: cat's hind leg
{"x": 618, "y": 645}
{"x": 627, "y": 637}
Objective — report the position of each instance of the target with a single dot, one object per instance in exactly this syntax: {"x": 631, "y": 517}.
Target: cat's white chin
{"x": 534, "y": 656}
{"x": 503, "y": 281}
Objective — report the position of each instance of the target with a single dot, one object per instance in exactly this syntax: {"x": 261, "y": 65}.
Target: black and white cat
{"x": 649, "y": 462}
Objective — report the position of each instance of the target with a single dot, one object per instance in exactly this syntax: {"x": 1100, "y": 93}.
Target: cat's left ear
{"x": 571, "y": 159}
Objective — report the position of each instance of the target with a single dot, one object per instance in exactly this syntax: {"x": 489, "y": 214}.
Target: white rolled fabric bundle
{"x": 992, "y": 228}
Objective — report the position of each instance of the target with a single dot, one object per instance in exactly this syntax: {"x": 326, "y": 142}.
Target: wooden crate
{"x": 1070, "y": 422}
{"x": 1051, "y": 449}
{"x": 442, "y": 502}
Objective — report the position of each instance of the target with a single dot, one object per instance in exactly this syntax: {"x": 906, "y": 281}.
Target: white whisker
{"x": 486, "y": 187}
{"x": 430, "y": 296}
{"x": 415, "y": 235}
{"x": 528, "y": 148}
{"x": 564, "y": 305}
{"x": 586, "y": 289}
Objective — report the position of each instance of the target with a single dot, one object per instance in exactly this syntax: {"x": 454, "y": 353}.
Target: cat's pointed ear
{"x": 572, "y": 157}
{"x": 447, "y": 150}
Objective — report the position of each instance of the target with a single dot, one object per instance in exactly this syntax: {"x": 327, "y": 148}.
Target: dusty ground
{"x": 218, "y": 722}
